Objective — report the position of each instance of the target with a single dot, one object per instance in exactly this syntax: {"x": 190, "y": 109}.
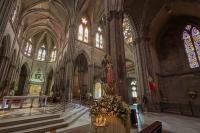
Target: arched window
{"x": 53, "y": 55}
{"x": 99, "y": 38}
{"x": 41, "y": 53}
{"x": 14, "y": 15}
{"x": 80, "y": 32}
{"x": 28, "y": 48}
{"x": 191, "y": 37}
{"x": 83, "y": 31}
{"x": 127, "y": 30}
{"x": 134, "y": 89}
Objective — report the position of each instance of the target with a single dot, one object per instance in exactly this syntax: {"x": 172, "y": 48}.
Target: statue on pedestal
{"x": 108, "y": 74}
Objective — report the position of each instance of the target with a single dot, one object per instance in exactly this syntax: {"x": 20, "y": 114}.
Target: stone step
{"x": 27, "y": 119}
{"x": 50, "y": 127}
{"x": 42, "y": 122}
{"x": 80, "y": 129}
{"x": 81, "y": 125}
{"x": 23, "y": 126}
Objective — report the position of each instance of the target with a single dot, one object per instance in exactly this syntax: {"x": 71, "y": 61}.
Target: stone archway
{"x": 23, "y": 77}
{"x": 80, "y": 77}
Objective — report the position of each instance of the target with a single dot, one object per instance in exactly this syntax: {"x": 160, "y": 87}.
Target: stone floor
{"x": 171, "y": 123}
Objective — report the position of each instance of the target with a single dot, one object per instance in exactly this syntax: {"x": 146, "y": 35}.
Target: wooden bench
{"x": 155, "y": 127}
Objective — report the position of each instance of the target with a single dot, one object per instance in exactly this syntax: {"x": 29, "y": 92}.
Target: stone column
{"x": 141, "y": 44}
{"x": 4, "y": 67}
{"x": 91, "y": 66}
{"x": 115, "y": 47}
{"x": 6, "y": 7}
{"x": 70, "y": 53}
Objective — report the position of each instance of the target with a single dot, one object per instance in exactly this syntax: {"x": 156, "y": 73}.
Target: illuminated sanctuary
{"x": 99, "y": 66}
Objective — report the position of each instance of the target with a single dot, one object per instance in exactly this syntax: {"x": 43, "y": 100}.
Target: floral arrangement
{"x": 110, "y": 105}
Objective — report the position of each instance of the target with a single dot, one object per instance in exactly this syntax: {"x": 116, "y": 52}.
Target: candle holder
{"x": 192, "y": 94}
{"x": 100, "y": 121}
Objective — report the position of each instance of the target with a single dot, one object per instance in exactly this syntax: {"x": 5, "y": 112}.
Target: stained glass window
{"x": 28, "y": 48}
{"x": 83, "y": 32}
{"x": 191, "y": 37}
{"x": 127, "y": 31}
{"x": 41, "y": 53}
{"x": 53, "y": 55}
{"x": 86, "y": 35}
{"x": 99, "y": 38}
{"x": 80, "y": 32}
{"x": 196, "y": 39}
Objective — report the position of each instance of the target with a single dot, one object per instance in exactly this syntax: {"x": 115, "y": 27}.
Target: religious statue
{"x": 108, "y": 74}
{"x": 108, "y": 69}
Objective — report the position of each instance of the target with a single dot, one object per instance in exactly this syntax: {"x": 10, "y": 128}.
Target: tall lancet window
{"x": 99, "y": 38}
{"x": 41, "y": 53}
{"x": 191, "y": 37}
{"x": 127, "y": 30}
{"x": 28, "y": 47}
{"x": 53, "y": 55}
{"x": 14, "y": 14}
{"x": 83, "y": 31}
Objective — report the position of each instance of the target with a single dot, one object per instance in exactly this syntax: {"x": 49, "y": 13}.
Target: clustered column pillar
{"x": 142, "y": 64}
{"x": 115, "y": 47}
{"x": 70, "y": 52}
{"x": 6, "y": 8}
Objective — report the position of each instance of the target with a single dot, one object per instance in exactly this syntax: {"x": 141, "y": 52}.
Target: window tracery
{"x": 127, "y": 31}
{"x": 41, "y": 53}
{"x": 53, "y": 55}
{"x": 99, "y": 38}
{"x": 28, "y": 48}
{"x": 83, "y": 32}
{"x": 191, "y": 37}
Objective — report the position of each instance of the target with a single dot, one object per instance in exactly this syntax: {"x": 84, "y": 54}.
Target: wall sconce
{"x": 192, "y": 94}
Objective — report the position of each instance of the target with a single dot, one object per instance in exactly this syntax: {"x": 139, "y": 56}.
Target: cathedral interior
{"x": 59, "y": 57}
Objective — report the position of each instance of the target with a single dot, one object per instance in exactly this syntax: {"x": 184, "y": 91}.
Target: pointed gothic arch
{"x": 23, "y": 80}
{"x": 80, "y": 77}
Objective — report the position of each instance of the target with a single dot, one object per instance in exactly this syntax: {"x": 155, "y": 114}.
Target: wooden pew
{"x": 155, "y": 127}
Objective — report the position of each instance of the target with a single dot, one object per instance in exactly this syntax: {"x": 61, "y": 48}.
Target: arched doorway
{"x": 22, "y": 80}
{"x": 49, "y": 83}
{"x": 80, "y": 77}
